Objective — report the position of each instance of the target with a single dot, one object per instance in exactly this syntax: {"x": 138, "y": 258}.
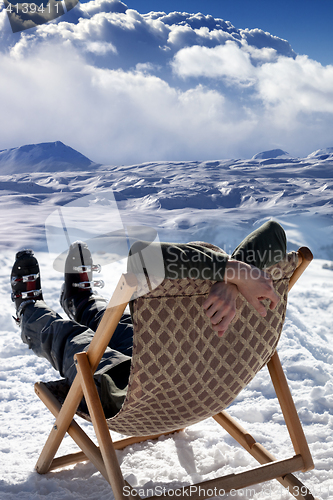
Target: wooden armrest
{"x": 305, "y": 256}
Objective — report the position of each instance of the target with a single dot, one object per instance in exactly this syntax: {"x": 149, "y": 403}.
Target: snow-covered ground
{"x": 214, "y": 201}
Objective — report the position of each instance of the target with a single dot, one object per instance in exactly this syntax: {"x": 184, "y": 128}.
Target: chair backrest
{"x": 182, "y": 372}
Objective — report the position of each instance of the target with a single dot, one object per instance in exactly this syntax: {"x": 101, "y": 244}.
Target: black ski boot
{"x": 25, "y": 281}
{"x": 77, "y": 288}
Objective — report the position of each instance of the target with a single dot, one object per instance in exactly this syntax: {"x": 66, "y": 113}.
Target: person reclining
{"x": 58, "y": 340}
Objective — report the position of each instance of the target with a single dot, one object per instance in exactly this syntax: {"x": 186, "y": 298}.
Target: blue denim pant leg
{"x": 122, "y": 339}
{"x": 58, "y": 340}
{"x": 111, "y": 376}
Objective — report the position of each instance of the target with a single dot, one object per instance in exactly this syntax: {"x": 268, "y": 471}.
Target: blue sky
{"x": 129, "y": 85}
{"x": 306, "y": 24}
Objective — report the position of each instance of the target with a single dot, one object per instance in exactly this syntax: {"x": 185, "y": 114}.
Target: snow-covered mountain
{"x": 272, "y": 153}
{"x": 45, "y": 157}
{"x": 217, "y": 201}
{"x": 322, "y": 154}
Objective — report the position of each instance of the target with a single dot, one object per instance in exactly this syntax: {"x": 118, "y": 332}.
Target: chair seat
{"x": 182, "y": 372}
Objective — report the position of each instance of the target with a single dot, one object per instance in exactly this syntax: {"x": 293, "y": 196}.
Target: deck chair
{"x": 181, "y": 373}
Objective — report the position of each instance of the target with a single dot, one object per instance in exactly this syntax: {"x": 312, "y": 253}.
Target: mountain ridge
{"x": 43, "y": 157}
{"x": 57, "y": 157}
{"x": 217, "y": 201}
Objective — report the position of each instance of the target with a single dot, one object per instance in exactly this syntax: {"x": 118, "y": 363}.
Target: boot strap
{"x": 26, "y": 295}
{"x": 29, "y": 278}
{"x": 89, "y": 284}
{"x": 88, "y": 269}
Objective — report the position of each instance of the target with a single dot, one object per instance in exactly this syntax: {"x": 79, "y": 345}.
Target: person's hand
{"x": 220, "y": 305}
{"x": 254, "y": 284}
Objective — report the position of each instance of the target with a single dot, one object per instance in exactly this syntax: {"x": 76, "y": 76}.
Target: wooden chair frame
{"x": 104, "y": 457}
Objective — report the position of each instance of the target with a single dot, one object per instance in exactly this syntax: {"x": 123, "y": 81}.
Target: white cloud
{"x": 227, "y": 61}
{"x": 263, "y": 40}
{"x": 264, "y": 54}
{"x": 283, "y": 84}
{"x": 184, "y": 36}
{"x": 143, "y": 38}
{"x": 100, "y": 48}
{"x": 302, "y": 85}
{"x": 147, "y": 67}
{"x": 109, "y": 115}
{"x": 123, "y": 88}
{"x": 97, "y": 6}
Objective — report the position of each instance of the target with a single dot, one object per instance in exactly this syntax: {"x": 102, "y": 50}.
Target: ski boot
{"x": 25, "y": 281}
{"x": 77, "y": 289}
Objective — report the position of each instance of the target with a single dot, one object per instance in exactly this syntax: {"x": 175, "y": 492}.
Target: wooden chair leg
{"x": 60, "y": 427}
{"x": 119, "y": 300}
{"x": 89, "y": 450}
{"x": 238, "y": 481}
{"x": 289, "y": 411}
{"x": 100, "y": 426}
{"x": 295, "y": 487}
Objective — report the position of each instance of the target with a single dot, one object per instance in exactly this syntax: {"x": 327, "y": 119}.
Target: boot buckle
{"x": 89, "y": 284}
{"x": 30, "y": 278}
{"x": 88, "y": 269}
{"x": 26, "y": 295}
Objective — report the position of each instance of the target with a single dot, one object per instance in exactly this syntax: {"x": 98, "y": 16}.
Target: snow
{"x": 273, "y": 153}
{"x": 49, "y": 157}
{"x": 322, "y": 154}
{"x": 218, "y": 201}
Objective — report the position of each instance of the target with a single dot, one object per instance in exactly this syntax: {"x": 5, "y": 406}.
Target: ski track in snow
{"x": 214, "y": 201}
